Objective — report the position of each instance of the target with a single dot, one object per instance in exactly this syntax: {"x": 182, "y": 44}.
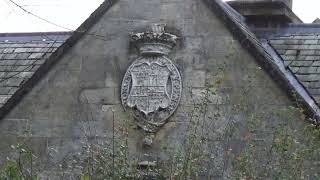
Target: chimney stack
{"x": 286, "y": 2}
{"x": 266, "y": 14}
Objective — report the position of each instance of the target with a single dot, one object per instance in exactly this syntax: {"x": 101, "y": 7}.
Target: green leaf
{"x": 11, "y": 169}
{"x": 84, "y": 177}
{"x": 35, "y": 178}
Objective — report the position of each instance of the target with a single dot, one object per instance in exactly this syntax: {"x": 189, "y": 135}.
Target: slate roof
{"x": 21, "y": 55}
{"x": 301, "y": 54}
{"x": 316, "y": 21}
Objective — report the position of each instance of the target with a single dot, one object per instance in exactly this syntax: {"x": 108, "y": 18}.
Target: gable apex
{"x": 233, "y": 20}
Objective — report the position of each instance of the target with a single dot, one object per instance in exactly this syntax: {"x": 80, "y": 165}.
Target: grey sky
{"x": 71, "y": 13}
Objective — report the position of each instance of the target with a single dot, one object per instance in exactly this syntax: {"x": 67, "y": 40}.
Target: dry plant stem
{"x": 113, "y": 152}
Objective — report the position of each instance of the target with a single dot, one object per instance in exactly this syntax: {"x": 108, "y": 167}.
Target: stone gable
{"x": 235, "y": 114}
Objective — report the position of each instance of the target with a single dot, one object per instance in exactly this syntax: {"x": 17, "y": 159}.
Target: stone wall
{"x": 227, "y": 99}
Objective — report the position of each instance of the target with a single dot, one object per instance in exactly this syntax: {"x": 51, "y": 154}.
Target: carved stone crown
{"x": 155, "y": 42}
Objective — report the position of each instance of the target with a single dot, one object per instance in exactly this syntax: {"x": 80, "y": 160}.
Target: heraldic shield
{"x": 151, "y": 87}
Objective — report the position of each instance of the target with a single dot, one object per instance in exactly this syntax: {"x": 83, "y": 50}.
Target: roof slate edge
{"x": 264, "y": 58}
{"x": 35, "y": 33}
{"x": 290, "y": 29}
{"x": 56, "y": 56}
{"x": 292, "y": 79}
{"x": 34, "y": 36}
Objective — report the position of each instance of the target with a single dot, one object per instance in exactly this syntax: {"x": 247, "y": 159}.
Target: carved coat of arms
{"x": 151, "y": 88}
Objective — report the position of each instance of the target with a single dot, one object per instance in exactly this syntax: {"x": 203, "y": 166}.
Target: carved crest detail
{"x": 151, "y": 88}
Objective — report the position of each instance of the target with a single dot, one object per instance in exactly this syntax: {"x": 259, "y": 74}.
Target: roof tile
{"x": 307, "y": 77}
{"x": 311, "y": 58}
{"x": 23, "y": 55}
{"x": 9, "y": 56}
{"x": 301, "y": 63}
{"x": 8, "y": 90}
{"x": 11, "y": 82}
{"x": 315, "y": 84}
{"x": 7, "y": 50}
{"x": 307, "y": 70}
{"x": 36, "y": 55}
{"x": 19, "y": 61}
{"x": 288, "y": 57}
{"x": 287, "y": 63}
{"x": 294, "y": 69}
{"x": 289, "y": 52}
{"x": 4, "y": 98}
{"x": 301, "y": 53}
{"x": 315, "y": 63}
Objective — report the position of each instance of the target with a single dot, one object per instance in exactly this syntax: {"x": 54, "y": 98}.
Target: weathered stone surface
{"x": 227, "y": 98}
{"x": 16, "y": 127}
{"x": 99, "y": 96}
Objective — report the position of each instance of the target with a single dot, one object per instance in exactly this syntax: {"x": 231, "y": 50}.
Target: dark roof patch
{"x": 316, "y": 21}
{"x": 21, "y": 55}
{"x": 301, "y": 54}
